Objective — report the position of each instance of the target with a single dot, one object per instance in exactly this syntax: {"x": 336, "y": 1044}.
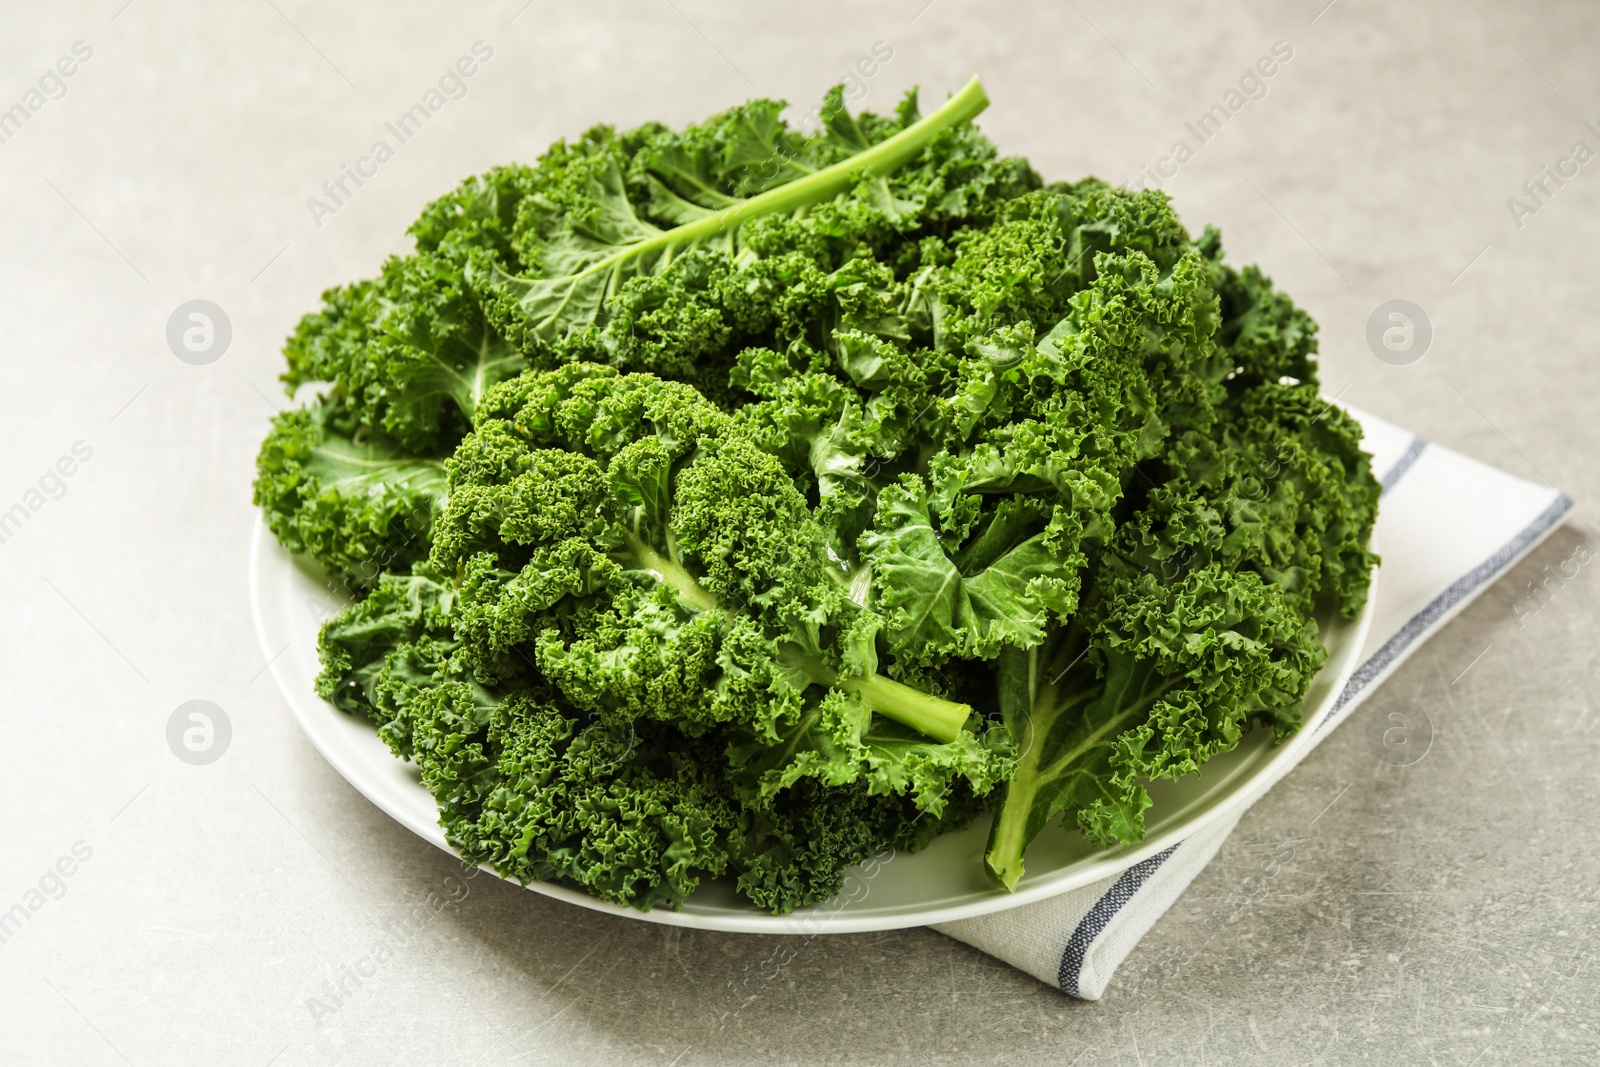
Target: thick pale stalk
{"x": 937, "y": 717}
{"x": 940, "y": 719}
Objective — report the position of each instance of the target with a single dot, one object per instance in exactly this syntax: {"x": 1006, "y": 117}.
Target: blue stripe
{"x": 1091, "y": 925}
{"x": 1407, "y": 458}
{"x": 1459, "y": 589}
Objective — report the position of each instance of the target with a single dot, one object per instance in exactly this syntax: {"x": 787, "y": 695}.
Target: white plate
{"x": 944, "y": 882}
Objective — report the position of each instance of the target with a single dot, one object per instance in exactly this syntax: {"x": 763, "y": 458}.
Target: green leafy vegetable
{"x": 584, "y": 239}
{"x": 740, "y": 501}
{"x": 660, "y": 565}
{"x": 353, "y": 499}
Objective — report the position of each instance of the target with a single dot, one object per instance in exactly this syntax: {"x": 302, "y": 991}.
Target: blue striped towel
{"x": 1077, "y": 940}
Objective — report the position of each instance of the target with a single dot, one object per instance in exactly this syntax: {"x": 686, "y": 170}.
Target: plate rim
{"x": 311, "y": 710}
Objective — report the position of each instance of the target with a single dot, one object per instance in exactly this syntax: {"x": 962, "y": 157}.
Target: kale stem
{"x": 937, "y": 717}
{"x": 880, "y": 159}
{"x": 1002, "y": 860}
{"x": 1048, "y": 700}
{"x": 1009, "y": 835}
{"x": 673, "y": 574}
{"x": 940, "y": 719}
{"x": 825, "y": 184}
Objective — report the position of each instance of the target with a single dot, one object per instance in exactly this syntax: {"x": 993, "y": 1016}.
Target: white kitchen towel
{"x": 1447, "y": 527}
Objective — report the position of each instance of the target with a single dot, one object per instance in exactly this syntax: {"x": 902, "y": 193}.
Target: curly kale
{"x": 702, "y": 482}
{"x": 654, "y": 563}
{"x": 355, "y": 477}
{"x": 354, "y": 500}
{"x": 631, "y": 811}
{"x": 1200, "y": 618}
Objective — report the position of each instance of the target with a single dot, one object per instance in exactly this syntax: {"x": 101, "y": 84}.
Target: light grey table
{"x": 1443, "y": 912}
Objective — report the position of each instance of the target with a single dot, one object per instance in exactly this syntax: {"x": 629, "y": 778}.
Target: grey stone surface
{"x": 1443, "y": 912}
